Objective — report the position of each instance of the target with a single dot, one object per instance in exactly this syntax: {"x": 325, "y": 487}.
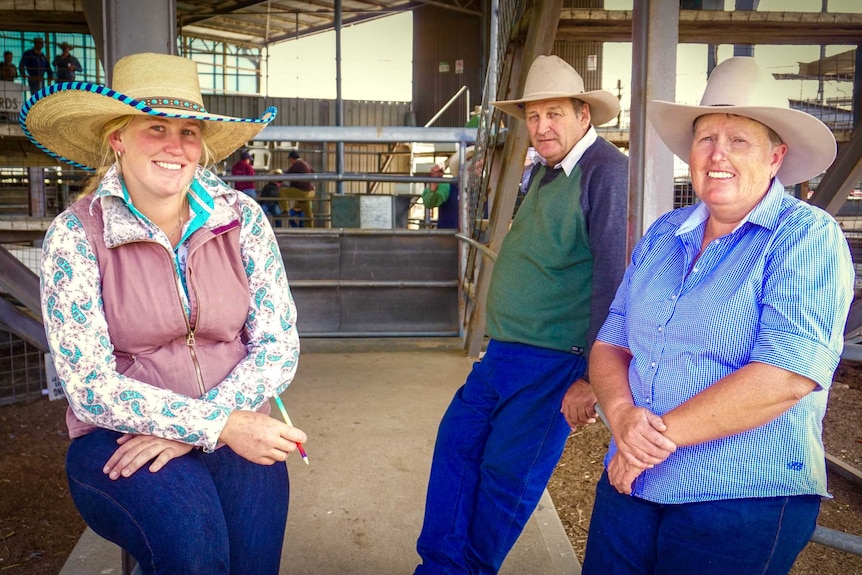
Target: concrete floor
{"x": 370, "y": 408}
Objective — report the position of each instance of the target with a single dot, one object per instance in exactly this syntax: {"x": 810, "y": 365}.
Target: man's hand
{"x": 136, "y": 450}
{"x": 579, "y": 404}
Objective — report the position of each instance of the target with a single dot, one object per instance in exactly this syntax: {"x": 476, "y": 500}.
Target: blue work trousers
{"x": 202, "y": 514}
{"x": 632, "y": 536}
{"x": 497, "y": 446}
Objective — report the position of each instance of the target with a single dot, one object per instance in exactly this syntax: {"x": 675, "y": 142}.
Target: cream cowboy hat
{"x": 739, "y": 86}
{"x": 550, "y": 77}
{"x": 66, "y": 119}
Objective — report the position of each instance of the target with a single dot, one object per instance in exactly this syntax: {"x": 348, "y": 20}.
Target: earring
{"x": 118, "y": 155}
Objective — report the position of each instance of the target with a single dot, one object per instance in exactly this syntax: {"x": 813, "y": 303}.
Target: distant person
{"x": 35, "y": 67}
{"x": 243, "y": 167}
{"x": 552, "y": 283}
{"x": 8, "y": 71}
{"x": 716, "y": 359}
{"x": 171, "y": 325}
{"x": 297, "y": 197}
{"x": 475, "y": 116}
{"x": 269, "y": 195}
{"x": 439, "y": 195}
{"x": 66, "y": 65}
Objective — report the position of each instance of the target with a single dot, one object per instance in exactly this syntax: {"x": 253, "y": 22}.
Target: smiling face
{"x": 159, "y": 155}
{"x": 555, "y": 127}
{"x": 732, "y": 163}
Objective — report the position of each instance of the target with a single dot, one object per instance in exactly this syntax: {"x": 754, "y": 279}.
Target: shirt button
{"x": 660, "y": 329}
{"x": 694, "y": 270}
{"x": 652, "y": 365}
{"x": 673, "y": 297}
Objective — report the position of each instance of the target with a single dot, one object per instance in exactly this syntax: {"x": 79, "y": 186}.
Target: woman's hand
{"x": 259, "y": 437}
{"x": 638, "y": 434}
{"x": 136, "y": 450}
{"x": 622, "y": 474}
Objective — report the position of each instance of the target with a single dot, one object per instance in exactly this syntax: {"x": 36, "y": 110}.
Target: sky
{"x": 382, "y": 49}
{"x": 371, "y": 51}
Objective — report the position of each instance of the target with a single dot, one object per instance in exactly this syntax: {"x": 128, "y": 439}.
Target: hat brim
{"x": 65, "y": 120}
{"x": 811, "y": 146}
{"x": 604, "y": 106}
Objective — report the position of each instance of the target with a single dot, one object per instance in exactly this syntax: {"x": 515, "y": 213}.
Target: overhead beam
{"x": 719, "y": 27}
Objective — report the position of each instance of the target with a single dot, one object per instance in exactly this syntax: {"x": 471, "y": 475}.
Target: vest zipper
{"x": 190, "y": 339}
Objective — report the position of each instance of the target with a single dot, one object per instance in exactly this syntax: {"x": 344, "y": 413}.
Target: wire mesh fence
{"x": 22, "y": 369}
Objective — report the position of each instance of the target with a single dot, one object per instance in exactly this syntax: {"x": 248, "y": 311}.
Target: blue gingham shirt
{"x": 776, "y": 291}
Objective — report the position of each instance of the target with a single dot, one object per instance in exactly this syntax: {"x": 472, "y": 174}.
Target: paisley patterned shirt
{"x": 77, "y": 329}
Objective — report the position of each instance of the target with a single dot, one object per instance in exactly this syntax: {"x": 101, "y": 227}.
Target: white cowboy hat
{"x": 551, "y": 77}
{"x": 739, "y": 86}
{"x": 66, "y": 119}
{"x": 454, "y": 164}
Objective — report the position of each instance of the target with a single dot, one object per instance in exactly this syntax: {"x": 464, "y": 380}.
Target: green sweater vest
{"x": 541, "y": 286}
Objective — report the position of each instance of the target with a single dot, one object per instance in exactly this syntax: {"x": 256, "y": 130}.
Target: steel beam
{"x": 366, "y": 134}
{"x": 654, "y": 43}
{"x": 18, "y": 281}
{"x": 841, "y": 177}
{"x": 23, "y": 325}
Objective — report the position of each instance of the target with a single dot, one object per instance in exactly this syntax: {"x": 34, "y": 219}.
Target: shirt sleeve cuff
{"x": 613, "y": 331}
{"x": 799, "y": 355}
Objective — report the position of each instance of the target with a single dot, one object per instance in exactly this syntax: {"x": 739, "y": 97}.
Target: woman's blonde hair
{"x": 108, "y": 155}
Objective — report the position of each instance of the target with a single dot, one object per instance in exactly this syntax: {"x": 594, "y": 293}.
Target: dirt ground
{"x": 39, "y": 525}
{"x": 572, "y": 487}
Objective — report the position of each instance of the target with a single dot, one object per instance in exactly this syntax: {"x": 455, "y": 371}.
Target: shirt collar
{"x": 210, "y": 202}
{"x": 764, "y": 214}
{"x": 573, "y": 157}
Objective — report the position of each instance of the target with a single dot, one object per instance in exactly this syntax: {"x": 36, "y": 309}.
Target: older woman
{"x": 715, "y": 362}
{"x": 170, "y": 324}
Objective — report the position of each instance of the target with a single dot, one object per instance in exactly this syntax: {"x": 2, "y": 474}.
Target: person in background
{"x": 298, "y": 195}
{"x": 714, "y": 365}
{"x": 170, "y": 324}
{"x": 8, "y": 71}
{"x": 550, "y": 289}
{"x": 243, "y": 167}
{"x": 35, "y": 67}
{"x": 65, "y": 64}
{"x": 436, "y": 195}
{"x": 269, "y": 197}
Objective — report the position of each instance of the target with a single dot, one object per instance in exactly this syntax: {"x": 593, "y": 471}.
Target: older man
{"x": 552, "y": 284}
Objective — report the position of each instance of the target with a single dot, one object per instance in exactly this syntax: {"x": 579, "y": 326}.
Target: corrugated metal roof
{"x": 241, "y": 22}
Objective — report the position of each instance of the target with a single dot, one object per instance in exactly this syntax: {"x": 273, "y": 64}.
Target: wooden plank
{"x": 503, "y": 183}
{"x": 844, "y": 469}
{"x": 18, "y": 281}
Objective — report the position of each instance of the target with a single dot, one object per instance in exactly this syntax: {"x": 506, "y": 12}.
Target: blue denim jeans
{"x": 759, "y": 536}
{"x": 202, "y": 514}
{"x": 497, "y": 445}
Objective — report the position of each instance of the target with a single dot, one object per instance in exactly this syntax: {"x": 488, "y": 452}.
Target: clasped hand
{"x": 255, "y": 436}
{"x": 641, "y": 444}
{"x": 579, "y": 404}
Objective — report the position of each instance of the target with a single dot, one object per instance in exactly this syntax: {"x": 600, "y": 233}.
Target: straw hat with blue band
{"x": 66, "y": 119}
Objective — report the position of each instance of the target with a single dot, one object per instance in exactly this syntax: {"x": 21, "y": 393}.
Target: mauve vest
{"x": 147, "y": 325}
